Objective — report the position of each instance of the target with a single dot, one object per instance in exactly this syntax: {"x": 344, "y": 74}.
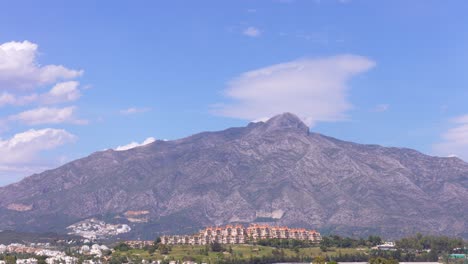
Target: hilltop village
{"x": 238, "y": 234}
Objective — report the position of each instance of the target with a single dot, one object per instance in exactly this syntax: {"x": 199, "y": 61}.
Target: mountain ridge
{"x": 235, "y": 174}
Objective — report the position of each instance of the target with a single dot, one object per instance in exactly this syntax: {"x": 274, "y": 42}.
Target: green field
{"x": 196, "y": 253}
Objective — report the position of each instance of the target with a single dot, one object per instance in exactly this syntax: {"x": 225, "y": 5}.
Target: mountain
{"x": 275, "y": 171}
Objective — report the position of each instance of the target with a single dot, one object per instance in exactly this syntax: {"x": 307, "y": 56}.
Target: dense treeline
{"x": 327, "y": 241}
{"x": 417, "y": 248}
{"x": 402, "y": 256}
{"x": 438, "y": 244}
{"x": 266, "y": 259}
{"x": 298, "y": 259}
{"x": 347, "y": 242}
{"x": 285, "y": 243}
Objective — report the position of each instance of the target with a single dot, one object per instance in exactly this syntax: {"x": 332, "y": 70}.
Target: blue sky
{"x": 380, "y": 72}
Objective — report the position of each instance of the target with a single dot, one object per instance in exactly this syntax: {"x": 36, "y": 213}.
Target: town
{"x": 230, "y": 244}
{"x": 51, "y": 254}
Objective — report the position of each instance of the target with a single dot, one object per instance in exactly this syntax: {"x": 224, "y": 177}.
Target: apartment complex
{"x": 238, "y": 234}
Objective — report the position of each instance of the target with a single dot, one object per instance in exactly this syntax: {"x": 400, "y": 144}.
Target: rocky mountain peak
{"x": 286, "y": 121}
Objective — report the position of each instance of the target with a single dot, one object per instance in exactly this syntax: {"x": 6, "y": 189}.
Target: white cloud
{"x": 455, "y": 140}
{"x": 20, "y": 75}
{"x": 135, "y": 144}
{"x": 381, "y": 108}
{"x": 252, "y": 32}
{"x": 48, "y": 115}
{"x": 19, "y": 69}
{"x": 23, "y": 147}
{"x": 60, "y": 93}
{"x": 461, "y": 119}
{"x": 11, "y": 99}
{"x": 313, "y": 89}
{"x": 19, "y": 155}
{"x": 134, "y": 110}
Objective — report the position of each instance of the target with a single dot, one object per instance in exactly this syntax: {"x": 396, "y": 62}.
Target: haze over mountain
{"x": 274, "y": 171}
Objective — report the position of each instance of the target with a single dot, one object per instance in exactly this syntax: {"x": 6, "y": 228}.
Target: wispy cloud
{"x": 134, "y": 110}
{"x": 252, "y": 32}
{"x": 61, "y": 93}
{"x": 314, "y": 89}
{"x": 135, "y": 144}
{"x": 20, "y": 154}
{"x": 48, "y": 115}
{"x": 23, "y": 147}
{"x": 455, "y": 140}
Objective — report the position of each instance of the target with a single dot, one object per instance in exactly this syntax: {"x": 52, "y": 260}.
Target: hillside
{"x": 275, "y": 171}
{"x": 8, "y": 237}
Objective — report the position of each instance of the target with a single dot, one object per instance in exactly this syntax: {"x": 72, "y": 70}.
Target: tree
{"x": 10, "y": 259}
{"x": 323, "y": 248}
{"x": 164, "y": 249}
{"x": 157, "y": 241}
{"x": 152, "y": 249}
{"x": 374, "y": 240}
{"x": 380, "y": 260}
{"x": 296, "y": 250}
{"x": 216, "y": 247}
{"x": 118, "y": 259}
{"x": 122, "y": 247}
{"x": 319, "y": 260}
{"x": 41, "y": 259}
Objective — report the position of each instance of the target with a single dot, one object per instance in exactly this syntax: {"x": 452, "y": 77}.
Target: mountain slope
{"x": 274, "y": 170}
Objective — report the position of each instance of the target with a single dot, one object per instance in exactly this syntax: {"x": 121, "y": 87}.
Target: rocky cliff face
{"x": 274, "y": 171}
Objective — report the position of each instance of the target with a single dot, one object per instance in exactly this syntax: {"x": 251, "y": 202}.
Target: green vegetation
{"x": 285, "y": 243}
{"x": 438, "y": 244}
{"x": 230, "y": 253}
{"x": 331, "y": 250}
{"x": 122, "y": 247}
{"x": 380, "y": 260}
{"x": 347, "y": 242}
{"x": 217, "y": 247}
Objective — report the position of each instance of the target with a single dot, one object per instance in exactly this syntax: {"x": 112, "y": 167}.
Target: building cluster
{"x": 387, "y": 246}
{"x": 22, "y": 261}
{"x": 36, "y": 249}
{"x": 238, "y": 234}
{"x": 96, "y": 229}
{"x": 95, "y": 250}
{"x": 52, "y": 256}
{"x": 139, "y": 244}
